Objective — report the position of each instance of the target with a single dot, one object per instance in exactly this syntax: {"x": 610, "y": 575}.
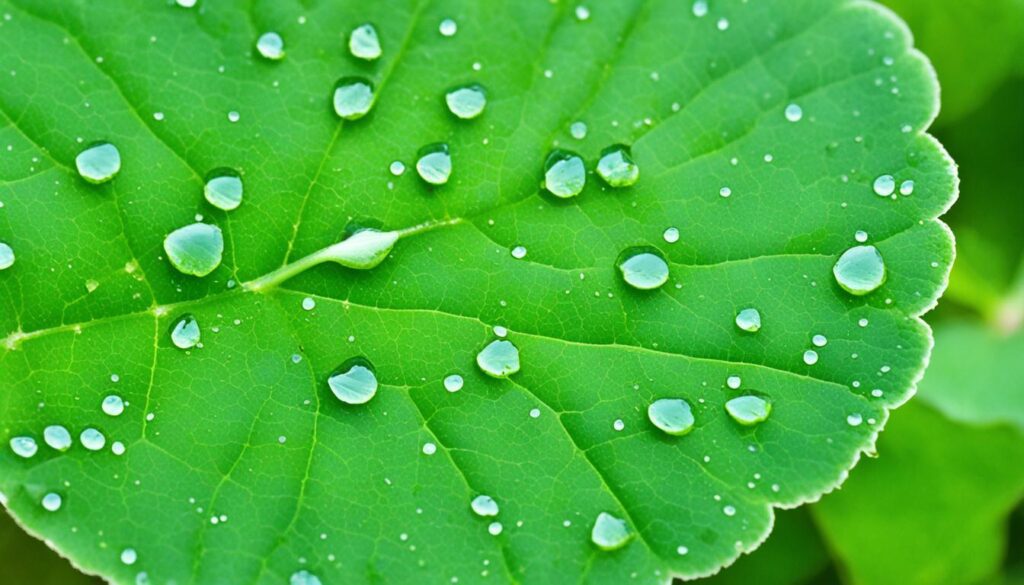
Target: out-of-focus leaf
{"x": 27, "y": 561}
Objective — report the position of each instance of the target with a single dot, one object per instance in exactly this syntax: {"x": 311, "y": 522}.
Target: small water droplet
{"x": 810, "y": 357}
{"x": 617, "y": 168}
{"x": 99, "y": 162}
{"x": 733, "y": 382}
{"x": 672, "y": 415}
{"x": 854, "y": 420}
{"x": 466, "y": 102}
{"x": 819, "y": 340}
{"x": 223, "y": 188}
{"x": 564, "y": 174}
{"x": 364, "y": 43}
{"x": 92, "y": 439}
{"x": 860, "y": 270}
{"x": 682, "y": 550}
{"x": 117, "y": 448}
{"x": 700, "y": 8}
{"x": 519, "y": 252}
{"x": 749, "y": 320}
{"x": 6, "y": 256}
{"x": 578, "y": 130}
{"x": 884, "y": 185}
{"x": 643, "y": 268}
{"x": 861, "y": 236}
{"x": 906, "y": 187}
{"x": 453, "y": 383}
{"x": 234, "y": 116}
{"x": 725, "y": 192}
{"x": 495, "y": 528}
{"x": 353, "y": 97}
{"x": 448, "y": 27}
{"x": 609, "y": 532}
{"x": 185, "y": 333}
{"x": 354, "y": 381}
{"x": 57, "y": 437}
{"x": 434, "y": 164}
{"x": 52, "y": 501}
{"x": 271, "y": 46}
{"x": 499, "y": 359}
{"x": 112, "y": 405}
{"x": 619, "y": 424}
{"x": 308, "y": 304}
{"x": 748, "y": 410}
{"x": 186, "y": 3}
{"x": 429, "y": 448}
{"x": 397, "y": 168}
{"x": 794, "y": 113}
{"x": 582, "y": 13}
{"x": 129, "y": 556}
{"x": 304, "y": 577}
{"x": 24, "y": 446}
{"x": 484, "y": 506}
{"x": 729, "y": 510}
{"x": 722, "y": 24}
{"x": 534, "y": 413}
{"x": 671, "y": 235}
{"x": 195, "y": 249}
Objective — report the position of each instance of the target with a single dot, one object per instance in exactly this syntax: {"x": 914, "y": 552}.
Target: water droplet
{"x": 57, "y": 437}
{"x": 619, "y": 424}
{"x": 810, "y": 357}
{"x": 749, "y": 320}
{"x": 495, "y": 528}
{"x": 671, "y": 415}
{"x": 700, "y": 8}
{"x": 582, "y": 13}
{"x": 819, "y": 340}
{"x": 733, "y": 382}
{"x": 24, "y": 446}
{"x": 308, "y": 304}
{"x": 92, "y": 439}
{"x": 861, "y": 236}
{"x": 6, "y": 256}
{"x": 234, "y": 116}
{"x": 271, "y": 46}
{"x": 195, "y": 249}
{"x": 519, "y": 252}
{"x": 354, "y": 381}
{"x": 466, "y": 102}
{"x": 860, "y": 270}
{"x": 364, "y": 43}
{"x": 448, "y": 27}
{"x": 223, "y": 188}
{"x": 794, "y": 113}
{"x": 429, "y": 448}
{"x": 434, "y": 164}
{"x": 484, "y": 506}
{"x": 906, "y": 187}
{"x": 564, "y": 174}
{"x": 578, "y": 130}
{"x": 362, "y": 250}
{"x": 609, "y": 532}
{"x": 884, "y": 185}
{"x": 52, "y": 501}
{"x": 617, "y": 168}
{"x": 112, "y": 405}
{"x": 117, "y": 448}
{"x": 643, "y": 268}
{"x": 304, "y": 577}
{"x": 671, "y": 235}
{"x": 722, "y": 24}
{"x": 129, "y": 556}
{"x": 500, "y": 331}
{"x": 682, "y": 550}
{"x": 748, "y": 410}
{"x": 453, "y": 383}
{"x": 185, "y": 333}
{"x": 534, "y": 413}
{"x": 186, "y": 3}
{"x": 854, "y": 420}
{"x": 499, "y": 359}
{"x": 353, "y": 97}
{"x": 725, "y": 192}
{"x": 397, "y": 168}
{"x": 729, "y": 510}
{"x": 99, "y": 162}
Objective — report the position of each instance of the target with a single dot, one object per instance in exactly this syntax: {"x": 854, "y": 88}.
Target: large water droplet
{"x": 434, "y": 164}
{"x": 672, "y": 415}
{"x": 609, "y": 532}
{"x": 354, "y": 381}
{"x": 453, "y": 383}
{"x": 748, "y": 410}
{"x": 185, "y": 333}
{"x": 749, "y": 320}
{"x": 884, "y": 185}
{"x": 499, "y": 359}
{"x": 364, "y": 43}
{"x": 223, "y": 188}
{"x": 362, "y": 250}
{"x": 304, "y": 577}
{"x": 860, "y": 270}
{"x": 195, "y": 249}
{"x": 52, "y": 501}
{"x": 564, "y": 174}
{"x": 57, "y": 437}
{"x": 112, "y": 405}
{"x": 643, "y": 267}
{"x": 353, "y": 97}
{"x": 6, "y": 256}
{"x": 99, "y": 162}
{"x": 467, "y": 101}
{"x": 484, "y": 505}
{"x": 92, "y": 439}
{"x": 271, "y": 46}
{"x": 616, "y": 166}
{"x": 24, "y": 446}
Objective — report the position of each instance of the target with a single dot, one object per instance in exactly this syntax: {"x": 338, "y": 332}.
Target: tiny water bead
{"x": 643, "y": 268}
{"x": 129, "y": 556}
{"x": 195, "y": 249}
{"x": 564, "y": 174}
{"x": 453, "y": 383}
{"x": 578, "y": 130}
{"x": 484, "y": 506}
{"x": 748, "y": 410}
{"x": 112, "y": 405}
{"x": 860, "y": 270}
{"x": 304, "y": 577}
{"x": 671, "y": 235}
{"x": 617, "y": 168}
{"x": 907, "y": 187}
{"x": 185, "y": 332}
{"x": 429, "y": 448}
{"x": 448, "y": 27}
{"x": 884, "y": 185}
{"x": 519, "y": 252}
{"x": 57, "y": 437}
{"x": 700, "y": 8}
{"x": 397, "y": 168}
{"x": 819, "y": 340}
{"x": 6, "y": 256}
{"x": 671, "y": 415}
{"x": 725, "y": 192}
{"x": 609, "y": 532}
{"x": 500, "y": 359}
{"x": 308, "y": 304}
{"x": 271, "y": 46}
{"x": 794, "y": 113}
{"x": 854, "y": 420}
{"x": 223, "y": 188}
{"x": 24, "y": 446}
{"x": 861, "y": 236}
{"x": 117, "y": 448}
{"x": 353, "y": 97}
{"x": 810, "y": 357}
{"x": 466, "y": 102}
{"x": 734, "y": 382}
{"x": 99, "y": 162}
{"x": 495, "y": 528}
{"x": 52, "y": 501}
{"x": 749, "y": 320}
{"x": 354, "y": 381}
{"x": 92, "y": 439}
{"x": 364, "y": 43}
{"x": 434, "y": 164}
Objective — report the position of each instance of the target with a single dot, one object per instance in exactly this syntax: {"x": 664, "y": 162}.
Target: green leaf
{"x": 240, "y": 465}
{"x": 27, "y": 560}
{"x": 949, "y": 485}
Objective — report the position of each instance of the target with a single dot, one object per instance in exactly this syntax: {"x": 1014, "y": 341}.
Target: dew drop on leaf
{"x": 57, "y": 437}
{"x": 223, "y": 188}
{"x": 861, "y": 236}
{"x": 564, "y": 174}
{"x": 99, "y": 162}
{"x": 819, "y": 340}
{"x": 112, "y": 405}
{"x": 304, "y": 577}
{"x": 794, "y": 113}
{"x": 671, "y": 235}
{"x": 748, "y": 410}
{"x": 466, "y": 102}
{"x": 24, "y": 446}
{"x": 578, "y": 130}
{"x": 354, "y": 381}
{"x": 582, "y": 13}
{"x": 52, "y": 501}
{"x": 353, "y": 97}
{"x": 92, "y": 439}
{"x": 186, "y": 3}
{"x": 671, "y": 415}
{"x": 749, "y": 320}
{"x": 884, "y": 185}
{"x": 362, "y": 250}
{"x": 854, "y": 420}
{"x": 185, "y": 333}
{"x": 484, "y": 505}
{"x": 810, "y": 357}
{"x": 364, "y": 43}
{"x": 6, "y": 256}
{"x": 700, "y": 8}
{"x": 308, "y": 304}
{"x": 453, "y": 383}
{"x": 907, "y": 187}
{"x": 733, "y": 382}
{"x": 616, "y": 166}
{"x": 643, "y": 267}
{"x": 397, "y": 168}
{"x": 129, "y": 556}
{"x": 271, "y": 46}
{"x": 519, "y": 252}
{"x": 448, "y": 27}
{"x": 195, "y": 249}
{"x": 434, "y": 164}
{"x": 609, "y": 532}
{"x": 499, "y": 359}
{"x": 495, "y": 528}
{"x": 860, "y": 270}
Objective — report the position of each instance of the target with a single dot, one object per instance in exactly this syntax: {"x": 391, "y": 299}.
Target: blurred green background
{"x": 941, "y": 503}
